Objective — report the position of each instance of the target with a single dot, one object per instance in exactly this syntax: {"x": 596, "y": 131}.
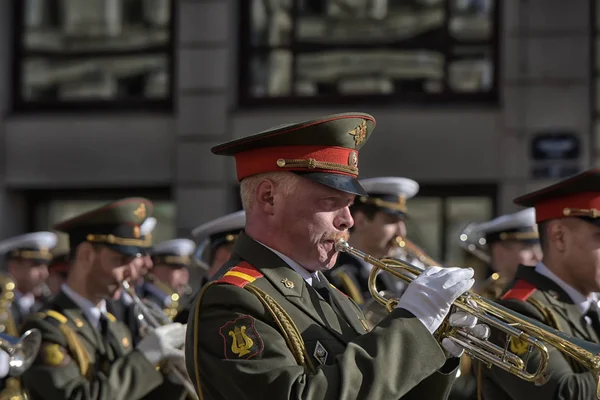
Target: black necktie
{"x": 104, "y": 325}
{"x": 321, "y": 287}
{"x": 594, "y": 317}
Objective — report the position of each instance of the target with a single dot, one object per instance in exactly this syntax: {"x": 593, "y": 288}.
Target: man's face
{"x": 55, "y": 280}
{"x": 309, "y": 221}
{"x": 508, "y": 255}
{"x": 28, "y": 274}
{"x": 378, "y": 234}
{"x": 581, "y": 254}
{"x": 176, "y": 278}
{"x": 108, "y": 269}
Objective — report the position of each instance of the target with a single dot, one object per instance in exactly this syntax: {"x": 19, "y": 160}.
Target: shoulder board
{"x": 51, "y": 315}
{"x": 241, "y": 275}
{"x": 111, "y": 317}
{"x": 522, "y": 290}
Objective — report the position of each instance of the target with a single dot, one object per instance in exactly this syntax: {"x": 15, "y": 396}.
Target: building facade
{"x": 234, "y": 68}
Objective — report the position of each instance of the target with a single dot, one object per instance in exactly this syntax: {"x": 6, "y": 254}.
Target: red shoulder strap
{"x": 522, "y": 290}
{"x": 241, "y": 275}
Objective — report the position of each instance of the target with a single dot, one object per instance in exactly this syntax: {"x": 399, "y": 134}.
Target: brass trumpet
{"x": 415, "y": 251}
{"x": 514, "y": 325}
{"x": 151, "y": 319}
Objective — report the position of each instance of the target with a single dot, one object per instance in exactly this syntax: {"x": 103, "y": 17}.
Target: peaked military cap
{"x": 116, "y": 225}
{"x": 389, "y": 193}
{"x": 324, "y": 150}
{"x": 577, "y": 196}
{"x": 219, "y": 231}
{"x": 35, "y": 246}
{"x": 174, "y": 253}
{"x": 518, "y": 226}
{"x": 59, "y": 263}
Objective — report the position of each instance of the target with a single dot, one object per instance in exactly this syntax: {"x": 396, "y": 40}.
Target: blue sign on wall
{"x": 555, "y": 154}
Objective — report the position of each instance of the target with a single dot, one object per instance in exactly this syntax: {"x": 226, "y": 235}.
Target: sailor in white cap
{"x": 169, "y": 278}
{"x": 379, "y": 228}
{"x": 504, "y": 243}
{"x": 216, "y": 239}
{"x": 26, "y": 259}
{"x": 215, "y": 242}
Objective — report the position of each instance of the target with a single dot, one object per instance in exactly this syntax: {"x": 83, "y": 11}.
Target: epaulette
{"x": 54, "y": 316}
{"x": 241, "y": 275}
{"x": 522, "y": 290}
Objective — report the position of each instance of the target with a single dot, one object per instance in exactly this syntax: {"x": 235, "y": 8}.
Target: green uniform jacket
{"x": 235, "y": 349}
{"x": 540, "y": 298}
{"x": 75, "y": 362}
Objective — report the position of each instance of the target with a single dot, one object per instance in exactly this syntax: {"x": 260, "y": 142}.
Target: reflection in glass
{"x": 270, "y": 22}
{"x": 271, "y": 74}
{"x": 471, "y": 19}
{"x": 381, "y": 21}
{"x": 90, "y": 25}
{"x": 471, "y": 70}
{"x": 141, "y": 76}
{"x": 424, "y": 227}
{"x": 368, "y": 72}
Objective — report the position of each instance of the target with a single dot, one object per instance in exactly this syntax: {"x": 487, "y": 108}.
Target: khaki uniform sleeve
{"x": 386, "y": 363}
{"x": 564, "y": 382}
{"x": 56, "y": 375}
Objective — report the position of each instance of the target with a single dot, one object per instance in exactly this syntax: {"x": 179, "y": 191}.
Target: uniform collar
{"x": 91, "y": 311}
{"x": 583, "y": 303}
{"x": 307, "y": 276}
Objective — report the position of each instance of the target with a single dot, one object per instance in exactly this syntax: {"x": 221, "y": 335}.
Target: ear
{"x": 556, "y": 235}
{"x": 265, "y": 196}
{"x": 86, "y": 254}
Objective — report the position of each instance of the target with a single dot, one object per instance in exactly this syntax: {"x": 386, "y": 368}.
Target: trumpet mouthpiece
{"x": 341, "y": 245}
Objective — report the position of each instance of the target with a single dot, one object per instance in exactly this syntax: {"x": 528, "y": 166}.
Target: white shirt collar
{"x": 91, "y": 311}
{"x": 307, "y": 276}
{"x": 583, "y": 303}
{"x": 25, "y": 302}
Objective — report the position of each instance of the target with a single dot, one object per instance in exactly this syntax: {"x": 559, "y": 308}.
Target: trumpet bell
{"x": 22, "y": 351}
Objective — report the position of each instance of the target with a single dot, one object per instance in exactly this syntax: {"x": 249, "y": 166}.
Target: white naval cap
{"x": 221, "y": 230}
{"x": 519, "y": 226}
{"x": 389, "y": 193}
{"x": 175, "y": 252}
{"x": 33, "y": 246}
{"x": 147, "y": 227}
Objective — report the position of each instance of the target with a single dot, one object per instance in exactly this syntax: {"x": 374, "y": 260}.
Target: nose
{"x": 401, "y": 228}
{"x": 343, "y": 219}
{"x": 43, "y": 272}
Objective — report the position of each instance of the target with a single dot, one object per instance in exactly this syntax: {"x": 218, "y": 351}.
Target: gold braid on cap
{"x": 112, "y": 239}
{"x": 581, "y": 212}
{"x": 311, "y": 163}
{"x": 400, "y": 205}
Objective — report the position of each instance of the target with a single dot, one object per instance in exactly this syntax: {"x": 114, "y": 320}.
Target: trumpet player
{"x": 505, "y": 243}
{"x": 561, "y": 290}
{"x": 27, "y": 257}
{"x": 216, "y": 239}
{"x": 379, "y": 221}
{"x": 86, "y": 353}
{"x": 270, "y": 324}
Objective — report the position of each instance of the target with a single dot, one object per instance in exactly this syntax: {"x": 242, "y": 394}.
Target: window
{"x": 50, "y": 208}
{"x": 93, "y": 53}
{"x": 414, "y": 50}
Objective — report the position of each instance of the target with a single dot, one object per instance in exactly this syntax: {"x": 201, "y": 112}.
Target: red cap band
{"x": 555, "y": 208}
{"x": 340, "y": 160}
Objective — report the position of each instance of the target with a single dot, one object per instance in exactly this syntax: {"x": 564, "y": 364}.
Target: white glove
{"x": 468, "y": 323}
{"x": 4, "y": 364}
{"x": 163, "y": 343}
{"x": 430, "y": 296}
